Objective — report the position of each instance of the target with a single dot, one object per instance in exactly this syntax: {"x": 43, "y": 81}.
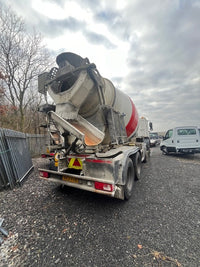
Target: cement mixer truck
{"x": 95, "y": 126}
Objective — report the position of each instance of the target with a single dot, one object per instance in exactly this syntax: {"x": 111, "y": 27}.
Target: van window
{"x": 169, "y": 134}
{"x": 186, "y": 132}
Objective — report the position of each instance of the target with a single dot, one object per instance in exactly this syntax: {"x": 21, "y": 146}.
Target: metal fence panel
{"x": 15, "y": 159}
{"x": 20, "y": 153}
{"x": 37, "y": 143}
{"x": 7, "y": 177}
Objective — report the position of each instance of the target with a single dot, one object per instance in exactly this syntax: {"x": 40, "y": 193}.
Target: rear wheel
{"x": 137, "y": 165}
{"x": 146, "y": 157}
{"x": 129, "y": 179}
{"x": 147, "y": 154}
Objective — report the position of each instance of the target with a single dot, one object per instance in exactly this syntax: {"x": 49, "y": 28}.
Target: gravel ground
{"x": 158, "y": 226}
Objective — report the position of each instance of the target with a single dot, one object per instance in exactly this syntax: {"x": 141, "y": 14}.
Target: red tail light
{"x": 43, "y": 156}
{"x": 44, "y": 174}
{"x": 104, "y": 186}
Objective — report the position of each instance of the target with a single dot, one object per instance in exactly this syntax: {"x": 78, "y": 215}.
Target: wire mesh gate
{"x": 15, "y": 159}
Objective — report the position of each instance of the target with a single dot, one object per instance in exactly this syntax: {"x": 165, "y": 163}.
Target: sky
{"x": 149, "y": 49}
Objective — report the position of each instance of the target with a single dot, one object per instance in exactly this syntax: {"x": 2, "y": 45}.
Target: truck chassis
{"x": 112, "y": 173}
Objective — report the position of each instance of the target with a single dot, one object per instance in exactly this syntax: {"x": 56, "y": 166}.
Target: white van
{"x": 184, "y": 139}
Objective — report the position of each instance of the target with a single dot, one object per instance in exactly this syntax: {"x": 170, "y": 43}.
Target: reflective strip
{"x": 99, "y": 161}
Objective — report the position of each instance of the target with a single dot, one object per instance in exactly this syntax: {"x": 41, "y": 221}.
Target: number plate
{"x": 70, "y": 179}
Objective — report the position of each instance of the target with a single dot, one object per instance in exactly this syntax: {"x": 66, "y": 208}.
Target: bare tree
{"x": 22, "y": 58}
{"x": 2, "y": 90}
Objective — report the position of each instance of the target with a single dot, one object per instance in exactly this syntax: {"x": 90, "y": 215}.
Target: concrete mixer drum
{"x": 79, "y": 91}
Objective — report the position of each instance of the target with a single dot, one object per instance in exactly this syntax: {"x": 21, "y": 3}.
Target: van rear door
{"x": 187, "y": 137}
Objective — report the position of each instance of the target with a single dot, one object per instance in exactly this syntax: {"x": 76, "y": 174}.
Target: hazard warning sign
{"x": 75, "y": 163}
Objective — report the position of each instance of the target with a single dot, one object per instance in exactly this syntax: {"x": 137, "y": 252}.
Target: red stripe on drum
{"x": 133, "y": 122}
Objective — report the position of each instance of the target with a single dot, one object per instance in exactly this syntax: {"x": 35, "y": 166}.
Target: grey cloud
{"x": 165, "y": 58}
{"x": 107, "y": 16}
{"x": 175, "y": 106}
{"x": 57, "y": 27}
{"x": 115, "y": 21}
{"x": 54, "y": 27}
{"x": 96, "y": 38}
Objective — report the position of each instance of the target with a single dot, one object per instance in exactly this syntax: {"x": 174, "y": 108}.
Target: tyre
{"x": 148, "y": 150}
{"x": 129, "y": 179}
{"x": 164, "y": 150}
{"x": 146, "y": 157}
{"x": 137, "y": 166}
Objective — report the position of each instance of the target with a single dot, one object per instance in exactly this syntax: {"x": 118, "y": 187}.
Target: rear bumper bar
{"x": 84, "y": 182}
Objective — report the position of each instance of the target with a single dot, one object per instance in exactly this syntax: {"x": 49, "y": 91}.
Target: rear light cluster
{"x": 44, "y": 174}
{"x": 104, "y": 186}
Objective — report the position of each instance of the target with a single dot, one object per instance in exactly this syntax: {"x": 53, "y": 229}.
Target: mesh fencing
{"x": 16, "y": 150}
